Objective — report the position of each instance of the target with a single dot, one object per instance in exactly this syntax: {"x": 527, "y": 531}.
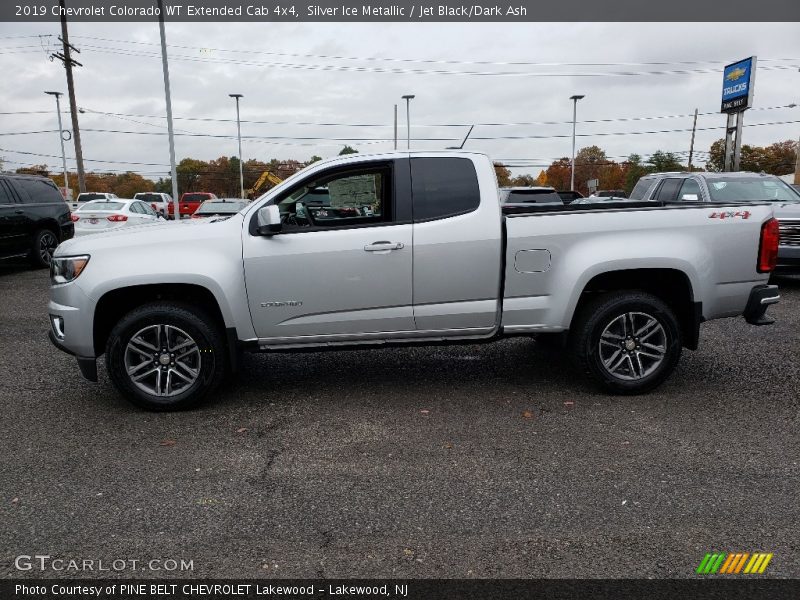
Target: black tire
{"x": 178, "y": 323}
{"x": 44, "y": 244}
{"x": 618, "y": 313}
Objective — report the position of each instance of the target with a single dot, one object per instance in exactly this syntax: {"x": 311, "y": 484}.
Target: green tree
{"x": 660, "y": 162}
{"x": 314, "y": 159}
{"x": 189, "y": 172}
{"x": 634, "y": 172}
{"x": 347, "y": 150}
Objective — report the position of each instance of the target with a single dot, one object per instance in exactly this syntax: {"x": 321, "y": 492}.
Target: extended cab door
{"x": 458, "y": 242}
{"x": 340, "y": 269}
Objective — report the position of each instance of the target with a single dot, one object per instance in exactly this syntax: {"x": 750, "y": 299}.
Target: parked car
{"x": 728, "y": 188}
{"x": 158, "y": 201}
{"x": 600, "y": 200}
{"x": 530, "y": 195}
{"x": 435, "y": 261}
{"x": 221, "y": 207}
{"x": 609, "y": 194}
{"x": 34, "y": 218}
{"x": 569, "y": 195}
{"x": 190, "y": 202}
{"x": 88, "y": 197}
{"x": 99, "y": 216}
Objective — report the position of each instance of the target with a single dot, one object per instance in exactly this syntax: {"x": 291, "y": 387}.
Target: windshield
{"x": 102, "y": 205}
{"x": 227, "y": 208}
{"x": 148, "y": 197}
{"x": 751, "y": 189}
{"x": 199, "y": 197}
{"x": 532, "y": 197}
{"x": 85, "y": 197}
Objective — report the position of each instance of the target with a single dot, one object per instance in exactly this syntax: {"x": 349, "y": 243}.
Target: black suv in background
{"x": 34, "y": 218}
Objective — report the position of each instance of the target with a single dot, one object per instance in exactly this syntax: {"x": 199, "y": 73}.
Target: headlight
{"x": 67, "y": 268}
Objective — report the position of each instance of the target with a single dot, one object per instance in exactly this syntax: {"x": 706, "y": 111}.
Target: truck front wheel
{"x": 629, "y": 342}
{"x": 165, "y": 356}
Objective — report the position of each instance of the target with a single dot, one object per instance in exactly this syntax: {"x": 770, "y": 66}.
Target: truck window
{"x": 355, "y": 197}
{"x": 690, "y": 191}
{"x": 640, "y": 189}
{"x": 443, "y": 187}
{"x": 669, "y": 189}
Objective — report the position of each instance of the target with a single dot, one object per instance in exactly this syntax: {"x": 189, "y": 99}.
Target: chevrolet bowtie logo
{"x": 735, "y": 74}
{"x": 734, "y": 563}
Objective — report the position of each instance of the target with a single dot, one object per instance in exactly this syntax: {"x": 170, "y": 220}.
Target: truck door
{"x": 340, "y": 269}
{"x": 457, "y": 245}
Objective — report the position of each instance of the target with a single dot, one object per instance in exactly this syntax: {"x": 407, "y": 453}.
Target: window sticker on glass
{"x": 354, "y": 192}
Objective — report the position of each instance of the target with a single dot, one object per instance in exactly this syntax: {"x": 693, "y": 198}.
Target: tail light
{"x": 117, "y": 218}
{"x": 74, "y": 218}
{"x": 768, "y": 246}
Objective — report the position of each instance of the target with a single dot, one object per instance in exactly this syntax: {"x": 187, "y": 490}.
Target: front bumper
{"x": 87, "y": 365}
{"x": 761, "y": 298}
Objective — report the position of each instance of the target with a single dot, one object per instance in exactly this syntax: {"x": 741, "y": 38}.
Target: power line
{"x": 407, "y": 71}
{"x": 430, "y": 61}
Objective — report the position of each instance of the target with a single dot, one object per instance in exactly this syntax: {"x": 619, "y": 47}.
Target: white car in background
{"x": 157, "y": 200}
{"x": 98, "y": 216}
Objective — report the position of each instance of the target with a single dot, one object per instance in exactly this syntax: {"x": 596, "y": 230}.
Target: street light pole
{"x": 168, "y": 98}
{"x": 61, "y": 139}
{"x": 239, "y": 134}
{"x": 574, "y": 99}
{"x": 408, "y": 98}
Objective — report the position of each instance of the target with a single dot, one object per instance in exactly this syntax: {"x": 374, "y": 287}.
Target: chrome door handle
{"x": 383, "y": 246}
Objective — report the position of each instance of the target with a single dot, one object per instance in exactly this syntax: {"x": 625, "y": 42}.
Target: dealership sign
{"x": 738, "y": 81}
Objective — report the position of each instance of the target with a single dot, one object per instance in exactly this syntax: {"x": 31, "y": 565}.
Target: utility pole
{"x": 797, "y": 164}
{"x": 395, "y": 126}
{"x": 61, "y": 138}
{"x": 66, "y": 58}
{"x": 691, "y": 145}
{"x": 170, "y": 133}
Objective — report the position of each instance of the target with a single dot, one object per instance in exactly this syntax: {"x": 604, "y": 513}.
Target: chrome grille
{"x": 790, "y": 233}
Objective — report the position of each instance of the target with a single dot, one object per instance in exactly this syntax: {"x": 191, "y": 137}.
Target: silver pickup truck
{"x": 405, "y": 248}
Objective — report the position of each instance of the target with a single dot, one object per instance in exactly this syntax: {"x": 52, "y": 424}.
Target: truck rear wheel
{"x": 628, "y": 342}
{"x": 165, "y": 356}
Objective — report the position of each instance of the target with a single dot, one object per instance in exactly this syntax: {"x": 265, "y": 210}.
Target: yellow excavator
{"x": 265, "y": 176}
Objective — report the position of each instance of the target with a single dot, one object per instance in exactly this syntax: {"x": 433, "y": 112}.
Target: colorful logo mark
{"x": 734, "y": 563}
{"x": 735, "y": 74}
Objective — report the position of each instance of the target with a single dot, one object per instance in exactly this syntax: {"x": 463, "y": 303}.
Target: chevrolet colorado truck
{"x": 405, "y": 248}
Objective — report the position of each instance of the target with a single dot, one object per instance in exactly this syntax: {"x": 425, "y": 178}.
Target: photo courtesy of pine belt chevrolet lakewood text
{"x": 406, "y": 248}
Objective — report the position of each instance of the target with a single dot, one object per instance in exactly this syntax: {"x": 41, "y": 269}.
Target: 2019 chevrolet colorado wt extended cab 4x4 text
{"x": 402, "y": 248}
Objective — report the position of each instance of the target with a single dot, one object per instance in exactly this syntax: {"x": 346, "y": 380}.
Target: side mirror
{"x": 269, "y": 220}
{"x": 690, "y": 197}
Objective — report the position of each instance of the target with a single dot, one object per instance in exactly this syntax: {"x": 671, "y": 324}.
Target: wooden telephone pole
{"x": 66, "y": 57}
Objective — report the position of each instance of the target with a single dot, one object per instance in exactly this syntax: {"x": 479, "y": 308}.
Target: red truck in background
{"x": 189, "y": 203}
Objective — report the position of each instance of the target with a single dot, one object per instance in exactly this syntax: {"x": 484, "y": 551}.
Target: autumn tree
{"x": 776, "y": 159}
{"x": 558, "y": 174}
{"x": 503, "y": 175}
{"x": 524, "y": 181}
{"x": 542, "y": 178}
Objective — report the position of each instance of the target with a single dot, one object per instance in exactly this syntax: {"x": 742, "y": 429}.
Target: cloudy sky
{"x": 297, "y": 79}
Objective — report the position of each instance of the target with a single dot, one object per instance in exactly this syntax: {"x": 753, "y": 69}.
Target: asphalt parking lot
{"x": 472, "y": 461}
